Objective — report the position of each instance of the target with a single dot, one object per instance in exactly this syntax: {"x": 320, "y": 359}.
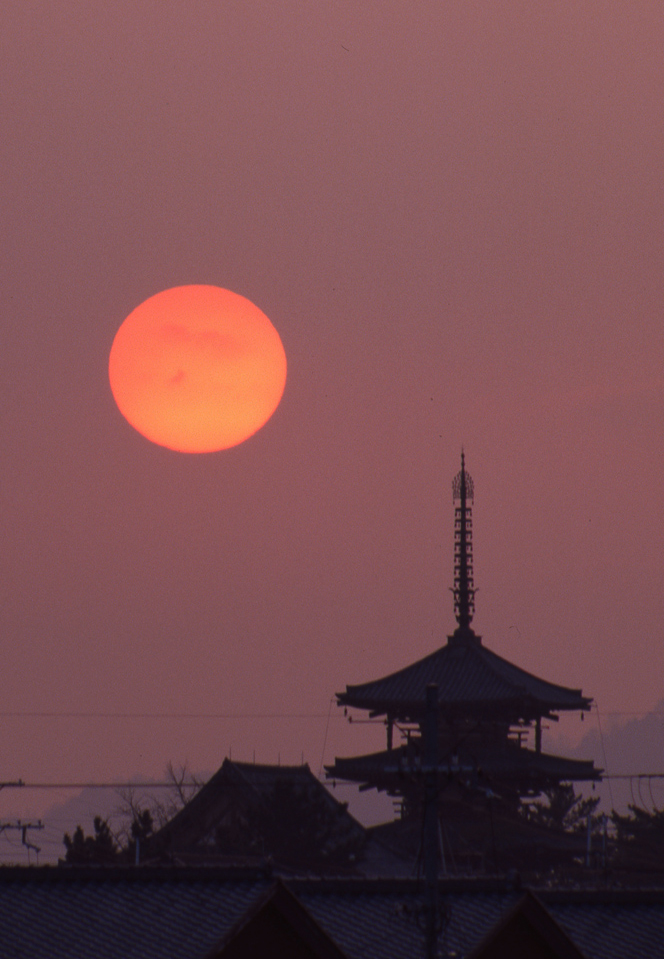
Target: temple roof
{"x": 510, "y": 766}
{"x": 472, "y": 681}
{"x": 250, "y": 810}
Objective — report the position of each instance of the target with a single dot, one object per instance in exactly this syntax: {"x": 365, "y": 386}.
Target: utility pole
{"x": 23, "y": 827}
{"x": 431, "y": 819}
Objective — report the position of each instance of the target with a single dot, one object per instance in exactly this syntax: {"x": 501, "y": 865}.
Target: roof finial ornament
{"x": 464, "y": 587}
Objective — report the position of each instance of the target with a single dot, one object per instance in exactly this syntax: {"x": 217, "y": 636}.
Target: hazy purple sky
{"x": 453, "y": 214}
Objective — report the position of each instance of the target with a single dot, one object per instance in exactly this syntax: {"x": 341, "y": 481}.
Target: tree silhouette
{"x": 639, "y": 839}
{"x": 100, "y": 849}
{"x": 563, "y": 811}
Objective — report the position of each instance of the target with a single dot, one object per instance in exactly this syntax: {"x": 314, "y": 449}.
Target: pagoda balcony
{"x": 514, "y": 767}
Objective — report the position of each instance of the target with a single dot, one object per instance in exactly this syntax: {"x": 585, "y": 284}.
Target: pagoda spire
{"x": 464, "y": 588}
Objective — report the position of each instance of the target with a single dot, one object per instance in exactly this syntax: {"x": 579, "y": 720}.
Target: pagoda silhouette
{"x": 489, "y": 724}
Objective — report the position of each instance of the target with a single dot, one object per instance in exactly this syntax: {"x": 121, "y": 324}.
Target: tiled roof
{"x": 278, "y": 915}
{"x": 200, "y": 828}
{"x": 469, "y": 677}
{"x": 107, "y": 915}
{"x": 474, "y": 835}
{"x": 603, "y": 924}
{"x": 388, "y": 768}
{"x": 528, "y": 928}
{"x": 183, "y": 914}
{"x": 621, "y": 923}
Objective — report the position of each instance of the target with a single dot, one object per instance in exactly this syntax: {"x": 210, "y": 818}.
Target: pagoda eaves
{"x": 388, "y": 770}
{"x": 471, "y": 680}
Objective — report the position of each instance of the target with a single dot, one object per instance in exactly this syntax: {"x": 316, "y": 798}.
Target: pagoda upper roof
{"x": 473, "y": 682}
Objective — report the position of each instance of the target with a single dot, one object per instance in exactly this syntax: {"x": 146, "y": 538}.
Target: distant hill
{"x": 633, "y": 747}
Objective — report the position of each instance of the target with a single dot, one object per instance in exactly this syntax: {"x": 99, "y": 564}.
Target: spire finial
{"x": 464, "y": 588}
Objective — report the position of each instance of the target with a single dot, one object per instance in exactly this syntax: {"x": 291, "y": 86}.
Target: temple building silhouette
{"x": 489, "y": 738}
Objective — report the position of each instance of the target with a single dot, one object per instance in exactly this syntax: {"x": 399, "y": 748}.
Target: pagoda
{"x": 489, "y": 719}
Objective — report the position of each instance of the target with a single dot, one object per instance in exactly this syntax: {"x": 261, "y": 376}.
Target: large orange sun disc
{"x": 197, "y": 369}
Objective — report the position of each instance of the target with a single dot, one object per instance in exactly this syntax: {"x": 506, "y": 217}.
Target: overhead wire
{"x": 327, "y": 727}
{"x": 601, "y": 739}
{"x": 652, "y": 798}
{"x": 23, "y": 714}
{"x": 119, "y": 714}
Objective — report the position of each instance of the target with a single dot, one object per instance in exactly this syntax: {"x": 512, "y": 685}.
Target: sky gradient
{"x": 453, "y": 214}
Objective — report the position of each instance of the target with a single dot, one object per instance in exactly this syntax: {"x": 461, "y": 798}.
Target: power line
{"x": 196, "y": 785}
{"x": 609, "y": 711}
{"x": 601, "y": 739}
{"x": 166, "y": 785}
{"x": 23, "y": 827}
{"x": 90, "y": 714}
{"x": 634, "y": 776}
{"x": 117, "y": 715}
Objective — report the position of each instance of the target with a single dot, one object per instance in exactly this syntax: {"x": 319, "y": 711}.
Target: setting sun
{"x": 197, "y": 369}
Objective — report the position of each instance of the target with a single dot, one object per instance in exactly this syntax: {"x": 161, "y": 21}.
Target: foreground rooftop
{"x": 175, "y": 913}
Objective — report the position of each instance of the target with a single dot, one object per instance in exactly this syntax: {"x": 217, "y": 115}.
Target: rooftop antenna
{"x": 464, "y": 587}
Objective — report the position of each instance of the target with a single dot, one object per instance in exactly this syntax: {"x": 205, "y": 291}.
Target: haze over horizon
{"x": 452, "y": 215}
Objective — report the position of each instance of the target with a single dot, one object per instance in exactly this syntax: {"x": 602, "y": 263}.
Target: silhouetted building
{"x": 250, "y": 813}
{"x": 489, "y": 732}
